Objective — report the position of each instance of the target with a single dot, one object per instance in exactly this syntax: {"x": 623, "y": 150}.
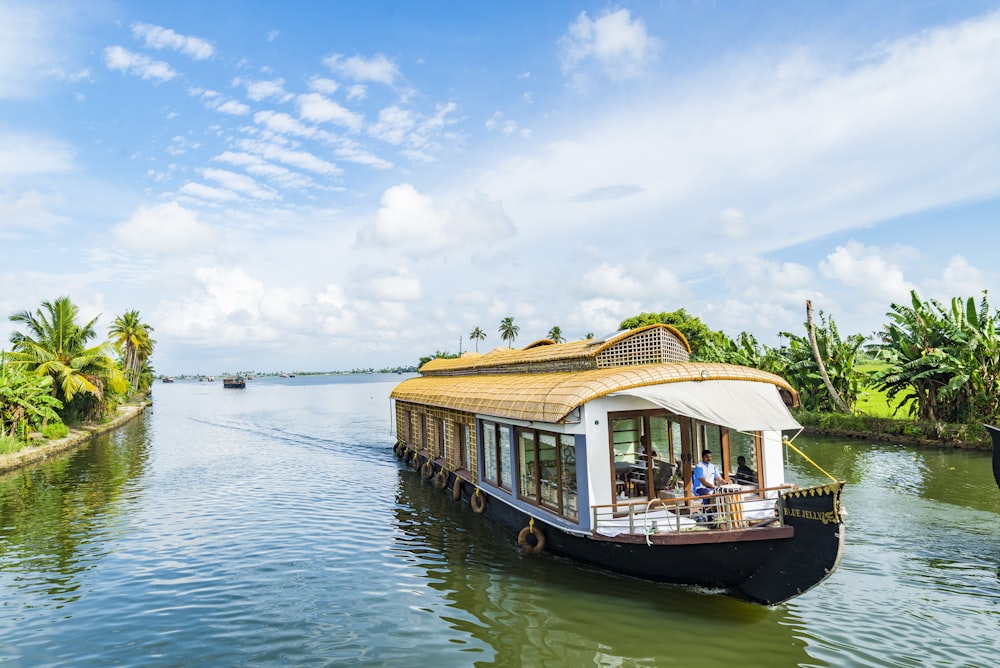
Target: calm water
{"x": 273, "y": 526}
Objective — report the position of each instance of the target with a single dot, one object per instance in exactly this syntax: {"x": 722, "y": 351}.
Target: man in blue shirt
{"x": 706, "y": 476}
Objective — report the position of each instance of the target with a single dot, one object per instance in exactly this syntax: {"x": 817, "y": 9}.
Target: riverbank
{"x": 77, "y": 436}
{"x": 923, "y": 433}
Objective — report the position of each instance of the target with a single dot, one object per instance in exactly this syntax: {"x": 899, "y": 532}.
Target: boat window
{"x": 647, "y": 453}
{"x": 547, "y": 470}
{"x": 490, "y": 451}
{"x": 742, "y": 444}
{"x": 423, "y": 431}
{"x": 567, "y": 470}
{"x": 464, "y": 440}
{"x": 506, "y": 480}
{"x": 496, "y": 454}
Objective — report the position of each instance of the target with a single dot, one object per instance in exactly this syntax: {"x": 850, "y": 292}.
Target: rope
{"x": 805, "y": 457}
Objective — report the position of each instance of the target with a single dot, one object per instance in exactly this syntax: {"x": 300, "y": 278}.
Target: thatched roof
{"x": 550, "y": 397}
{"x": 652, "y": 344}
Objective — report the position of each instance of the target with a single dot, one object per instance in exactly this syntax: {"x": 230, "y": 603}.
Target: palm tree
{"x": 477, "y": 335}
{"x": 55, "y": 346}
{"x": 508, "y": 330}
{"x": 556, "y": 334}
{"x": 131, "y": 337}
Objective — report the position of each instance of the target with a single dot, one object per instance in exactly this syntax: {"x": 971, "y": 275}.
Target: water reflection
{"x": 540, "y": 610}
{"x": 56, "y": 519}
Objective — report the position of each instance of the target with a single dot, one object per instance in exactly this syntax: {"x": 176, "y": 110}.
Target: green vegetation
{"x": 477, "y": 335}
{"x": 56, "y": 430}
{"x": 508, "y": 331}
{"x": 54, "y": 375}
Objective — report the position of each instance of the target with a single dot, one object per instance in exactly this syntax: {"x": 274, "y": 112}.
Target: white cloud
{"x": 30, "y": 211}
{"x": 357, "y": 92}
{"x": 160, "y": 38}
{"x": 619, "y": 45}
{"x": 323, "y": 85}
{"x": 961, "y": 279}
{"x": 378, "y": 68}
{"x": 863, "y": 267}
{"x": 120, "y": 58}
{"x": 233, "y": 108}
{"x": 208, "y": 193}
{"x": 29, "y": 153}
{"x": 640, "y": 281}
{"x": 393, "y": 125}
{"x": 415, "y": 225}
{"x": 165, "y": 229}
{"x": 315, "y": 107}
{"x": 266, "y": 90}
{"x": 299, "y": 159}
{"x": 387, "y": 285}
{"x": 240, "y": 183}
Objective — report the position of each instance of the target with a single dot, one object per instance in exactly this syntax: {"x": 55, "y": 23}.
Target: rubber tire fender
{"x": 478, "y": 502}
{"x": 525, "y": 545}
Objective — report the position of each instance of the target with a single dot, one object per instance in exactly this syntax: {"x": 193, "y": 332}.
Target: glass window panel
{"x": 490, "y": 451}
{"x": 743, "y": 445}
{"x": 549, "y": 469}
{"x": 528, "y": 478}
{"x": 465, "y": 433}
{"x": 504, "y": 458}
{"x": 567, "y": 453}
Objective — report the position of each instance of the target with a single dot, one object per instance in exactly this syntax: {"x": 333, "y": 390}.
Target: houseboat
{"x": 235, "y": 382}
{"x": 587, "y": 450}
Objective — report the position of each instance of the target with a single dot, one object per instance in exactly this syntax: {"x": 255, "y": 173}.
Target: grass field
{"x": 874, "y": 402}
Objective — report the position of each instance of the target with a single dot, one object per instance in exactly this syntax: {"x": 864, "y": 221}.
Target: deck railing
{"x": 733, "y": 508}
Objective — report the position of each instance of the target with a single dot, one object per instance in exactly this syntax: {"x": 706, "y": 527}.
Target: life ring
{"x": 478, "y": 502}
{"x": 400, "y": 450}
{"x": 456, "y": 490}
{"x": 427, "y": 470}
{"x": 441, "y": 479}
{"x": 415, "y": 461}
{"x": 525, "y": 544}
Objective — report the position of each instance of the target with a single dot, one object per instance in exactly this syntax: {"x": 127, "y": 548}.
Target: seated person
{"x": 744, "y": 474}
{"x": 706, "y": 477}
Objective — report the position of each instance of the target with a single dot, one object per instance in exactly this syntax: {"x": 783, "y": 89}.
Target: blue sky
{"x": 335, "y": 185}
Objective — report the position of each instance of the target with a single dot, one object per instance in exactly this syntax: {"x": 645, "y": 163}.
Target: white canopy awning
{"x": 741, "y": 405}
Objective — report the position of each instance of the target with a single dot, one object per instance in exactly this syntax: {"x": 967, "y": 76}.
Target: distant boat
{"x": 168, "y": 379}
{"x": 995, "y": 435}
{"x": 236, "y": 382}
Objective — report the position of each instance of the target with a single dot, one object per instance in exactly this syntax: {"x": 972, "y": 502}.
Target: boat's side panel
{"x": 995, "y": 435}
{"x": 813, "y": 555}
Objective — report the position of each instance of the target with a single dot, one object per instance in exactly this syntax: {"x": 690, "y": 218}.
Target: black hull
{"x": 995, "y": 435}
{"x": 764, "y": 565}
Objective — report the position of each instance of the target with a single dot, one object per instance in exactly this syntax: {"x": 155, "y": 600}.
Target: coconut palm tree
{"x": 508, "y": 330}
{"x": 477, "y": 335}
{"x": 55, "y": 345}
{"x": 131, "y": 337}
{"x": 556, "y": 334}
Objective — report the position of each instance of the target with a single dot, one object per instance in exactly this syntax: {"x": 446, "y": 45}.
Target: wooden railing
{"x": 733, "y": 508}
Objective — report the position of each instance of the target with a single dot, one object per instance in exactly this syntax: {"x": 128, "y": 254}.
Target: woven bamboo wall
{"x": 453, "y": 421}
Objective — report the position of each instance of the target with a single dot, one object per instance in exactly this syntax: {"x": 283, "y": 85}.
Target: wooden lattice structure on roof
{"x": 653, "y": 344}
